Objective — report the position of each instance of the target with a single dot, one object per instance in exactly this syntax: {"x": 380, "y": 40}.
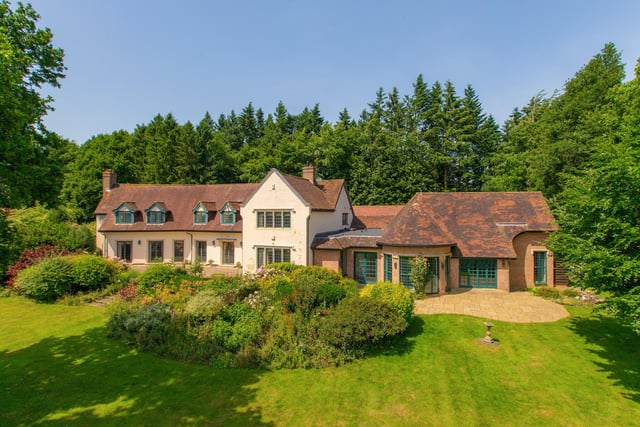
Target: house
{"x": 142, "y": 223}
{"x": 471, "y": 240}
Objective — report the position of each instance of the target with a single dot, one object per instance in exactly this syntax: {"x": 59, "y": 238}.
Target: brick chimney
{"x": 109, "y": 180}
{"x": 309, "y": 173}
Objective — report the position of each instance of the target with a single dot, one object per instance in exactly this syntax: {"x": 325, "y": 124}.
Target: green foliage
{"x": 32, "y": 158}
{"x": 311, "y": 288}
{"x": 420, "y": 274}
{"x": 395, "y": 295}
{"x": 626, "y": 307}
{"x": 47, "y": 280}
{"x": 157, "y": 274}
{"x": 144, "y": 327}
{"x": 360, "y": 323}
{"x": 91, "y": 272}
{"x": 545, "y": 292}
{"x": 8, "y": 251}
{"x": 204, "y": 306}
{"x": 570, "y": 293}
{"x": 38, "y": 225}
{"x": 236, "y": 321}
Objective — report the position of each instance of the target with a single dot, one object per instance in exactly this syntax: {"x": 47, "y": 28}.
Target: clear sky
{"x": 129, "y": 60}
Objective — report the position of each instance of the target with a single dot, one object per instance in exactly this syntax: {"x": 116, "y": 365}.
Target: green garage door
{"x": 478, "y": 273}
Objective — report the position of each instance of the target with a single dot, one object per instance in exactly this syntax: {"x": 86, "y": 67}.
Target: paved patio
{"x": 517, "y": 307}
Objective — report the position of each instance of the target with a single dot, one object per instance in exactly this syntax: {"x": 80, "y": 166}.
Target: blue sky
{"x": 130, "y": 60}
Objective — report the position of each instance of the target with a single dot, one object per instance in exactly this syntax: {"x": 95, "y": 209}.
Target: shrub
{"x": 157, "y": 274}
{"x": 48, "y": 280}
{"x": 312, "y": 288}
{"x": 360, "y": 323}
{"x": 203, "y": 306}
{"x": 143, "y": 326}
{"x": 284, "y": 267}
{"x": 91, "y": 272}
{"x": 420, "y": 274}
{"x": 231, "y": 289}
{"x": 395, "y": 295}
{"x": 30, "y": 257}
{"x": 546, "y": 292}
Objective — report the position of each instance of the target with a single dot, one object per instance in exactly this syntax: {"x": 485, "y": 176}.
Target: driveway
{"x": 517, "y": 307}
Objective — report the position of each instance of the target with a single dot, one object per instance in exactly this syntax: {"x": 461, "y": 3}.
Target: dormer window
{"x": 156, "y": 214}
{"x": 124, "y": 214}
{"x": 227, "y": 215}
{"x": 201, "y": 212}
{"x": 200, "y": 217}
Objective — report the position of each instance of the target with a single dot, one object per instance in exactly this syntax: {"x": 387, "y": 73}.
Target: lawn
{"x": 58, "y": 368}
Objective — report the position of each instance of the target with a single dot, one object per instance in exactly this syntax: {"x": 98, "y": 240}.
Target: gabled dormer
{"x": 202, "y": 212}
{"x": 125, "y": 213}
{"x": 156, "y": 213}
{"x": 228, "y": 214}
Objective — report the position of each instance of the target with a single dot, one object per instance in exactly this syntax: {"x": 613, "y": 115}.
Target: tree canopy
{"x": 31, "y": 158}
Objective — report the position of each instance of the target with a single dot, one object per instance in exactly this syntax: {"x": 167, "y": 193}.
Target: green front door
{"x": 365, "y": 266}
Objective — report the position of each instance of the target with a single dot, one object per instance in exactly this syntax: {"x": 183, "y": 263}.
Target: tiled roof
{"x": 478, "y": 224}
{"x": 348, "y": 239}
{"x": 321, "y": 197}
{"x": 178, "y": 200}
{"x": 374, "y": 216}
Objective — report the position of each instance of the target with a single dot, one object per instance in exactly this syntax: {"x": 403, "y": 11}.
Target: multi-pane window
{"x": 155, "y": 217}
{"x": 124, "y": 217}
{"x": 156, "y": 252}
{"x": 178, "y": 250}
{"x": 269, "y": 255}
{"x": 123, "y": 249}
{"x": 388, "y": 268}
{"x": 478, "y": 273}
{"x": 274, "y": 219}
{"x": 365, "y": 267}
{"x": 227, "y": 215}
{"x": 200, "y": 217}
{"x": 228, "y": 252}
{"x": 405, "y": 269}
{"x": 345, "y": 218}
{"x": 201, "y": 250}
{"x": 540, "y": 268}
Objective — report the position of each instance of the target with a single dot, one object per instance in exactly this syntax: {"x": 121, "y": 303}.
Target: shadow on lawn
{"x": 618, "y": 345}
{"x": 405, "y": 343}
{"x": 91, "y": 380}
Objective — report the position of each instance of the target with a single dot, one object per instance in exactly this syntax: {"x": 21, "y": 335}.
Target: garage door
{"x": 478, "y": 273}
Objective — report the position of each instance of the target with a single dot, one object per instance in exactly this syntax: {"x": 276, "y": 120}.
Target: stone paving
{"x": 517, "y": 307}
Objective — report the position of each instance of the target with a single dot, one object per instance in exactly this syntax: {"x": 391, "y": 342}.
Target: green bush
{"x": 156, "y": 274}
{"x": 285, "y": 267}
{"x": 205, "y": 305}
{"x": 312, "y": 288}
{"x": 231, "y": 289}
{"x": 143, "y": 326}
{"x": 92, "y": 273}
{"x": 47, "y": 280}
{"x": 546, "y": 292}
{"x": 357, "y": 324}
{"x": 395, "y": 295}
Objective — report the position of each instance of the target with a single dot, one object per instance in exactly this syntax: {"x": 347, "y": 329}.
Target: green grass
{"x": 58, "y": 368}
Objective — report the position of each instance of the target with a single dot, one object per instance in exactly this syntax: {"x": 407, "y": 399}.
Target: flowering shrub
{"x": 308, "y": 317}
{"x": 30, "y": 257}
